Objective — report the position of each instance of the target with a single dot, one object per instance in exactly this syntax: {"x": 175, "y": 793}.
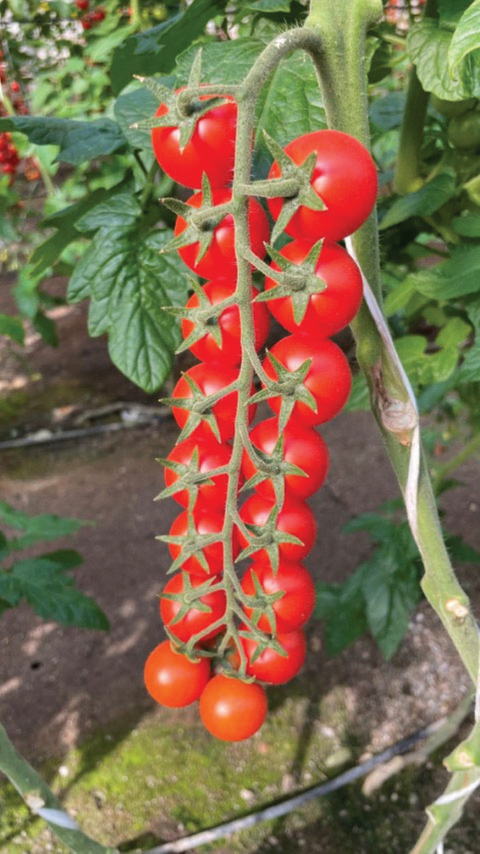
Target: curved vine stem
{"x": 341, "y": 65}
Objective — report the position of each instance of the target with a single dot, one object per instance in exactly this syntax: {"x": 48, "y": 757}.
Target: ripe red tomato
{"x": 207, "y": 521}
{"x": 295, "y": 518}
{"x": 328, "y": 379}
{"x": 232, "y": 710}
{"x": 210, "y": 379}
{"x": 211, "y": 148}
{"x": 302, "y": 446}
{"x": 296, "y": 605}
{"x": 344, "y": 176}
{"x": 211, "y": 455}
{"x": 229, "y": 352}
{"x": 272, "y": 667}
{"x": 171, "y": 679}
{"x": 331, "y": 310}
{"x": 195, "y": 620}
{"x": 219, "y": 261}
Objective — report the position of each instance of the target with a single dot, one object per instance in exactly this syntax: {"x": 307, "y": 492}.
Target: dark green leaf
{"x": 460, "y": 550}
{"x": 423, "y": 202}
{"x": 78, "y": 141}
{"x": 12, "y": 327}
{"x": 154, "y": 51}
{"x": 37, "y": 529}
{"x": 429, "y": 48}
{"x": 456, "y": 277}
{"x": 465, "y": 42}
{"x": 132, "y": 108}
{"x": 390, "y": 599}
{"x": 468, "y": 225}
{"x": 46, "y": 327}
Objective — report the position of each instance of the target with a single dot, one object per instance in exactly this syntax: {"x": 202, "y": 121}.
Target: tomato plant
{"x": 272, "y": 666}
{"x": 210, "y": 610}
{"x": 206, "y": 560}
{"x": 171, "y": 679}
{"x": 198, "y": 455}
{"x": 294, "y": 608}
{"x": 295, "y": 517}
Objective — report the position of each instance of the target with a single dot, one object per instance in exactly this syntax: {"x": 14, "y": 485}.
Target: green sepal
{"x": 297, "y": 281}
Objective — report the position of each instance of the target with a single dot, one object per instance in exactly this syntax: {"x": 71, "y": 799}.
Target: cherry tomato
{"x": 210, "y": 379}
{"x": 211, "y": 455}
{"x": 328, "y": 379}
{"x": 211, "y": 148}
{"x": 195, "y": 620}
{"x": 219, "y": 260}
{"x": 206, "y": 521}
{"x": 331, "y": 310}
{"x": 272, "y": 667}
{"x": 344, "y": 176}
{"x": 229, "y": 352}
{"x": 171, "y": 679}
{"x": 302, "y": 446}
{"x": 296, "y": 605}
{"x": 295, "y": 518}
{"x": 232, "y": 710}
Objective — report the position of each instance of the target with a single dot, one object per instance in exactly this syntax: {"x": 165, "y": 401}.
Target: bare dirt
{"x": 59, "y": 684}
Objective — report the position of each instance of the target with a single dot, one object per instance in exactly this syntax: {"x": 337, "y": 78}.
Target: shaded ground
{"x": 147, "y": 769}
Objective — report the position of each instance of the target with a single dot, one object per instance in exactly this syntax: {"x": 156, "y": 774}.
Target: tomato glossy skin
{"x": 334, "y": 308}
{"x": 232, "y": 710}
{"x": 329, "y": 378}
{"x": 195, "y": 620}
{"x": 303, "y": 447}
{"x": 207, "y": 521}
{"x": 210, "y": 379}
{"x": 219, "y": 261}
{"x": 171, "y": 679}
{"x": 295, "y": 607}
{"x": 344, "y": 176}
{"x": 230, "y": 351}
{"x": 295, "y": 518}
{"x": 211, "y": 148}
{"x": 270, "y": 666}
{"x": 211, "y": 455}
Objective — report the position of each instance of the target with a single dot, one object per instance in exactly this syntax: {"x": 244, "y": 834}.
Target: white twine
{"x": 411, "y": 489}
{"x": 440, "y": 848}
{"x": 450, "y": 797}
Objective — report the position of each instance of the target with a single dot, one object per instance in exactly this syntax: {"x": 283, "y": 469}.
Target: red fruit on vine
{"x": 210, "y": 150}
{"x": 206, "y": 521}
{"x": 328, "y": 379}
{"x": 229, "y": 351}
{"x": 330, "y": 310}
{"x": 271, "y": 666}
{"x": 195, "y": 619}
{"x": 210, "y": 379}
{"x": 172, "y": 679}
{"x": 302, "y": 447}
{"x": 202, "y": 455}
{"x": 295, "y": 518}
{"x": 296, "y": 605}
{"x": 98, "y": 15}
{"x": 219, "y": 260}
{"x": 232, "y": 710}
{"x": 86, "y": 23}
{"x": 344, "y": 176}
{"x": 15, "y": 86}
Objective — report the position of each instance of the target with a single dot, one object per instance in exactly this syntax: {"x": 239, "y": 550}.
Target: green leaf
{"x": 343, "y": 609}
{"x": 267, "y": 5}
{"x": 37, "y": 529}
{"x": 4, "y": 546}
{"x": 468, "y": 225}
{"x": 12, "y": 327}
{"x": 470, "y": 370}
{"x": 373, "y": 523}
{"x": 429, "y": 49}
{"x": 456, "y": 277}
{"x": 465, "y": 40}
{"x": 130, "y": 282}
{"x": 78, "y": 141}
{"x": 154, "y": 51}
{"x": 359, "y": 399}
{"x": 390, "y": 599}
{"x": 422, "y": 202}
{"x": 453, "y": 333}
{"x": 460, "y": 550}
{"x": 387, "y": 112}
{"x": 399, "y": 297}
{"x": 46, "y": 327}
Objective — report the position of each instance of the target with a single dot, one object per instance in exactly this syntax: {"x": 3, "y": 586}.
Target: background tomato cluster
{"x": 194, "y": 604}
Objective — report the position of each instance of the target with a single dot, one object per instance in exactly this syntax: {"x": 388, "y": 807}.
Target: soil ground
{"x": 73, "y": 701}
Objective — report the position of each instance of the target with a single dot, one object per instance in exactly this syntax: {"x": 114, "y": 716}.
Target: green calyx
{"x": 297, "y": 281}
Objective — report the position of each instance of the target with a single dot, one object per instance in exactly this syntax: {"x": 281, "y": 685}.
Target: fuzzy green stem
{"x": 37, "y": 794}
{"x": 467, "y": 451}
{"x": 149, "y": 185}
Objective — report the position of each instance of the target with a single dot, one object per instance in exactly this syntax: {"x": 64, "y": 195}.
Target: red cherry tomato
{"x": 206, "y": 522}
{"x": 195, "y": 620}
{"x": 211, "y": 148}
{"x": 211, "y": 455}
{"x": 302, "y": 447}
{"x": 272, "y": 667}
{"x": 219, "y": 260}
{"x": 171, "y": 679}
{"x": 344, "y": 176}
{"x": 295, "y": 518}
{"x": 331, "y": 310}
{"x": 230, "y": 351}
{"x": 86, "y": 23}
{"x": 296, "y": 605}
{"x": 328, "y": 379}
{"x": 232, "y": 710}
{"x": 210, "y": 379}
